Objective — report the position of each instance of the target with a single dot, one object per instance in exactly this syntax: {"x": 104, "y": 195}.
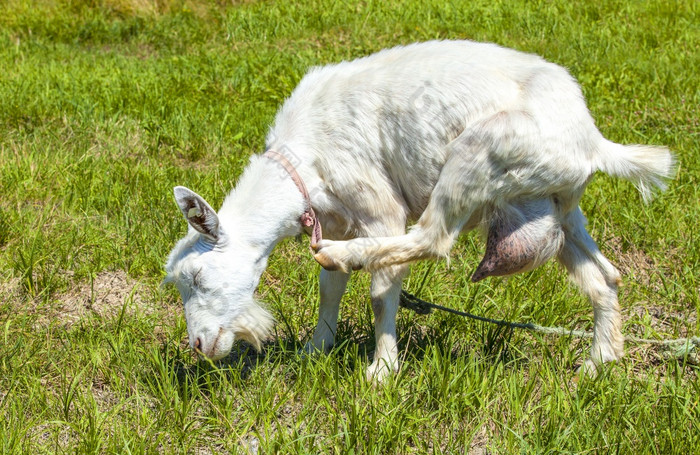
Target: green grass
{"x": 105, "y": 105}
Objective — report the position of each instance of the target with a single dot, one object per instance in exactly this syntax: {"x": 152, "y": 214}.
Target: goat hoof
{"x": 380, "y": 370}
{"x": 587, "y": 370}
{"x": 326, "y": 262}
{"x": 336, "y": 256}
{"x": 312, "y": 349}
{"x": 590, "y": 369}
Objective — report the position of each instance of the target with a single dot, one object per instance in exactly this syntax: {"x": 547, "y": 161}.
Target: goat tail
{"x": 648, "y": 167}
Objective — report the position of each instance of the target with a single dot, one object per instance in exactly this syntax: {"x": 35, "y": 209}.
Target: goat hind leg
{"x": 460, "y": 190}
{"x": 599, "y": 281}
{"x": 373, "y": 253}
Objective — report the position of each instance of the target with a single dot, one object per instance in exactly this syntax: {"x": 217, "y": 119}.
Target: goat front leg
{"x": 599, "y": 281}
{"x": 332, "y": 287}
{"x": 385, "y": 292}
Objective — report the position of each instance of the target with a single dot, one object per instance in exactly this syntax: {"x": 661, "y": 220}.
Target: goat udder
{"x": 519, "y": 239}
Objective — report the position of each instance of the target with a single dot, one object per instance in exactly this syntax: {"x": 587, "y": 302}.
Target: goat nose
{"x": 197, "y": 345}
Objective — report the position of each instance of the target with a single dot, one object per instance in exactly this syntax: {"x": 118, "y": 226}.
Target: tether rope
{"x": 679, "y": 347}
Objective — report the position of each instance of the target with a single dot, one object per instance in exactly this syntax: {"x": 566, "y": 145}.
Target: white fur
{"x": 441, "y": 133}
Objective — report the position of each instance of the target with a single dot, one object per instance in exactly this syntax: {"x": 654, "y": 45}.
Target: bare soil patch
{"x": 9, "y": 289}
{"x": 104, "y": 296}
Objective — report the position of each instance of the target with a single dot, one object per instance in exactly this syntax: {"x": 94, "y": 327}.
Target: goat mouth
{"x": 210, "y": 353}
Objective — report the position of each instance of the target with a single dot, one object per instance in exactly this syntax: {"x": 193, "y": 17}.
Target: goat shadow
{"x": 237, "y": 366}
{"x": 493, "y": 345}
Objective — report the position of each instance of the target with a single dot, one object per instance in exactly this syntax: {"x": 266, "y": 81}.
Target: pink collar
{"x": 308, "y": 218}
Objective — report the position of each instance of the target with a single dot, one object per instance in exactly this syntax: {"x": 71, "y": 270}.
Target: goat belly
{"x": 521, "y": 237}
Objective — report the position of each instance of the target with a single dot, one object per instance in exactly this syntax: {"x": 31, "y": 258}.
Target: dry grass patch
{"x": 633, "y": 263}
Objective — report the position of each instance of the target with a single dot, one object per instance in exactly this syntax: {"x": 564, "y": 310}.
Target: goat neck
{"x": 265, "y": 206}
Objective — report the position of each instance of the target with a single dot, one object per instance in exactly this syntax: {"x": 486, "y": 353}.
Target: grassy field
{"x": 105, "y": 105}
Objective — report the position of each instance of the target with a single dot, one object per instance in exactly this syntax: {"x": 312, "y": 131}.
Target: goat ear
{"x": 197, "y": 212}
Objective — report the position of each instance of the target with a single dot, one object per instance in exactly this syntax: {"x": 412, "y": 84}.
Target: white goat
{"x": 454, "y": 135}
